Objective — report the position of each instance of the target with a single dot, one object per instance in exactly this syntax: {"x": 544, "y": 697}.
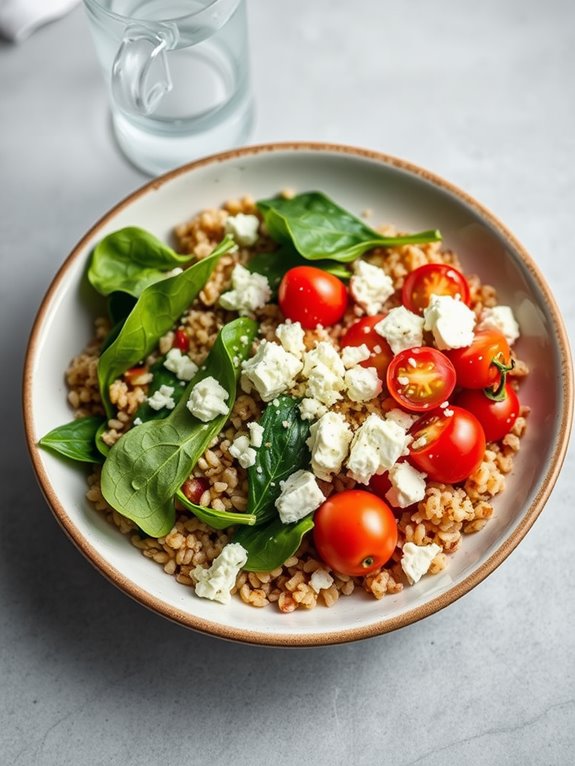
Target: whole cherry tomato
{"x": 480, "y": 365}
{"x": 363, "y": 331}
{"x": 496, "y": 416}
{"x": 312, "y": 296}
{"x": 432, "y": 279}
{"x": 355, "y": 532}
{"x": 448, "y": 444}
{"x": 420, "y": 378}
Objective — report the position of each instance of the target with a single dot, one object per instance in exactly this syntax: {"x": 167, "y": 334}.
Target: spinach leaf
{"x": 318, "y": 228}
{"x": 274, "y": 265}
{"x": 157, "y": 309}
{"x": 129, "y": 260}
{"x": 270, "y": 546}
{"x": 162, "y": 377}
{"x": 75, "y": 440}
{"x": 119, "y": 306}
{"x": 147, "y": 466}
{"x": 283, "y": 452}
{"x": 213, "y": 518}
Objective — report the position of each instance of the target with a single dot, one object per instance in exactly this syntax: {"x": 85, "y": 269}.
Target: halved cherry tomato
{"x": 420, "y": 378}
{"x": 448, "y": 445}
{"x": 496, "y": 417}
{"x": 355, "y": 532}
{"x": 312, "y": 296}
{"x": 181, "y": 340}
{"x": 432, "y": 279}
{"x": 479, "y": 365}
{"x": 363, "y": 331}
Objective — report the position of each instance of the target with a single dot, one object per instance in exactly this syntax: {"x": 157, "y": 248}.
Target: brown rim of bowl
{"x": 341, "y": 636}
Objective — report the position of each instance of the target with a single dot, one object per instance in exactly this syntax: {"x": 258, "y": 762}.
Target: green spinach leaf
{"x": 75, "y": 440}
{"x": 156, "y": 311}
{"x": 271, "y": 545}
{"x": 213, "y": 518}
{"x": 147, "y": 466}
{"x": 283, "y": 452}
{"x": 119, "y": 306}
{"x": 318, "y": 228}
{"x": 274, "y": 265}
{"x": 129, "y": 260}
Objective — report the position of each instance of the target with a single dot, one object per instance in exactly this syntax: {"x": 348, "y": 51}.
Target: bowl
{"x": 396, "y": 192}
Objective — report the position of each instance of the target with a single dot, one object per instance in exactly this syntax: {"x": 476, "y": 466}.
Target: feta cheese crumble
{"x": 377, "y": 445}
{"x": 217, "y": 582}
{"x": 256, "y": 434}
{"x": 162, "y": 398}
{"x": 329, "y": 442}
{"x": 370, "y": 286}
{"x": 291, "y": 335}
{"x": 416, "y": 560}
{"x": 208, "y": 400}
{"x": 311, "y": 409}
{"x": 402, "y": 329}
{"x": 249, "y": 292}
{"x": 321, "y": 580}
{"x": 352, "y": 355}
{"x": 300, "y": 495}
{"x": 243, "y": 228}
{"x": 500, "y": 318}
{"x": 271, "y": 370}
{"x": 407, "y": 485}
{"x": 241, "y": 450}
{"x": 180, "y": 364}
{"x": 403, "y": 419}
{"x": 325, "y": 372}
{"x": 450, "y": 321}
{"x": 362, "y": 383}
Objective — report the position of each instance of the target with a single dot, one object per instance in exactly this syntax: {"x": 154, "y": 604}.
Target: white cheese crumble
{"x": 321, "y": 580}
{"x": 370, "y": 287}
{"x": 311, "y": 409}
{"x": 352, "y": 355}
{"x": 402, "y": 329}
{"x": 173, "y": 272}
{"x": 362, "y": 384}
{"x": 271, "y": 370}
{"x": 241, "y": 450}
{"x": 377, "y": 445}
{"x": 329, "y": 444}
{"x": 256, "y": 434}
{"x": 217, "y": 582}
{"x": 291, "y": 335}
{"x": 208, "y": 400}
{"x": 249, "y": 292}
{"x": 162, "y": 398}
{"x": 407, "y": 485}
{"x": 300, "y": 495}
{"x": 325, "y": 372}
{"x": 243, "y": 228}
{"x": 180, "y": 364}
{"x": 403, "y": 419}
{"x": 450, "y": 321}
{"x": 500, "y": 318}
{"x": 417, "y": 559}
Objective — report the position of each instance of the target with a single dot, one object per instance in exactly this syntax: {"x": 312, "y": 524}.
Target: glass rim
{"x": 196, "y": 15}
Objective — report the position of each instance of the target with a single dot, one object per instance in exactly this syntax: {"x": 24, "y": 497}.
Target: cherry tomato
{"x": 448, "y": 445}
{"x": 181, "y": 340}
{"x": 363, "y": 331}
{"x": 355, "y": 532}
{"x": 475, "y": 365}
{"x": 496, "y": 417}
{"x": 312, "y": 296}
{"x": 380, "y": 484}
{"x": 420, "y": 378}
{"x": 432, "y": 279}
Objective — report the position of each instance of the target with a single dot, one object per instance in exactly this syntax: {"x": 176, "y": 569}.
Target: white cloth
{"x": 19, "y": 18}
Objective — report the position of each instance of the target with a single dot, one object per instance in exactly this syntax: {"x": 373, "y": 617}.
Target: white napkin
{"x": 19, "y": 18}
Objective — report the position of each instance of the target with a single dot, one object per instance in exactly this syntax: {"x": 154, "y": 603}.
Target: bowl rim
{"x": 321, "y": 638}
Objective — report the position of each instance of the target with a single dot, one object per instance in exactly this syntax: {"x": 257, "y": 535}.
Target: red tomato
{"x": 181, "y": 340}
{"x": 312, "y": 296}
{"x": 496, "y": 417}
{"x": 475, "y": 365}
{"x": 432, "y": 279}
{"x": 420, "y": 378}
{"x": 363, "y": 331}
{"x": 355, "y": 532}
{"x": 193, "y": 488}
{"x": 380, "y": 484}
{"x": 448, "y": 445}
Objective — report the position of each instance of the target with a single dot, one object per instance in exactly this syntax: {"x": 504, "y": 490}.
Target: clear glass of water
{"x": 178, "y": 76}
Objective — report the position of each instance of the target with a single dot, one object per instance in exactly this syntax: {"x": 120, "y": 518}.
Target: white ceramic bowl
{"x": 396, "y": 192}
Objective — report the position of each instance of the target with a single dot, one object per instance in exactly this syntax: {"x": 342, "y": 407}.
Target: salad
{"x": 291, "y": 404}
